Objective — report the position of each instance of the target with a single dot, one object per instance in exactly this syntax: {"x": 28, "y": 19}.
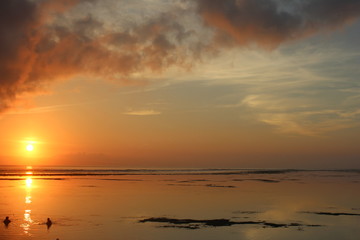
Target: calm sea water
{"x": 110, "y": 204}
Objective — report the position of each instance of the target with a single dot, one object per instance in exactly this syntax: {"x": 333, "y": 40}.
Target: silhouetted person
{"x": 48, "y": 223}
{"x": 7, "y": 221}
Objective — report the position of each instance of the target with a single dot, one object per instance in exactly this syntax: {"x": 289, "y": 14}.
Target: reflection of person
{"x": 49, "y": 223}
{"x": 7, "y": 221}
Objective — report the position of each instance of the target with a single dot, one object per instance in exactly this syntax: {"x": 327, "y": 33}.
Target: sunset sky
{"x": 180, "y": 83}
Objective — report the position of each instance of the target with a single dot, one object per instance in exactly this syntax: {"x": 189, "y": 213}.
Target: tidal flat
{"x": 90, "y": 204}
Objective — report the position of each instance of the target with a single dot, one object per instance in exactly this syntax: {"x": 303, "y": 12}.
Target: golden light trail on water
{"x": 27, "y": 214}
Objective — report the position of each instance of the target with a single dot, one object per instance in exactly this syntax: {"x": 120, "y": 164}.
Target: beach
{"x": 109, "y": 204}
{"x": 179, "y": 120}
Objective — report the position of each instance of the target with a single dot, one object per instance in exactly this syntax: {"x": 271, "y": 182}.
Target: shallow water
{"x": 172, "y": 204}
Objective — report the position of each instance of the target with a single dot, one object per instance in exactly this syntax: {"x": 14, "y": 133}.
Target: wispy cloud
{"x": 304, "y": 91}
{"x": 39, "y": 109}
{"x": 289, "y": 117}
{"x": 304, "y": 124}
{"x": 142, "y": 112}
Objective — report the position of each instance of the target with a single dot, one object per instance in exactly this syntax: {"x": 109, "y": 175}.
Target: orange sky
{"x": 180, "y": 84}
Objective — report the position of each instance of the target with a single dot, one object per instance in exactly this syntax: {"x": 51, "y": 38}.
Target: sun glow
{"x": 31, "y": 151}
{"x": 29, "y": 147}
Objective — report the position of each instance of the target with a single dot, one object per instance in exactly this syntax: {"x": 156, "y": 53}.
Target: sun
{"x": 29, "y": 147}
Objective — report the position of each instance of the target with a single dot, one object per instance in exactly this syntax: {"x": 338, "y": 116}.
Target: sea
{"x": 107, "y": 203}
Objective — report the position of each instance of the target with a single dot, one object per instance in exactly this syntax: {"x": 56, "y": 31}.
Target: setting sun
{"x": 30, "y": 147}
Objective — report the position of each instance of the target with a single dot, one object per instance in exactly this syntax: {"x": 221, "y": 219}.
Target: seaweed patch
{"x": 196, "y": 223}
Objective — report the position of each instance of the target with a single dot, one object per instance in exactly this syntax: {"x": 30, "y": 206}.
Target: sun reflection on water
{"x": 28, "y": 200}
{"x": 27, "y": 214}
{"x": 28, "y": 182}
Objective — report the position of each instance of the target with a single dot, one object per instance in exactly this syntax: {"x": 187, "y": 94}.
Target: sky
{"x": 180, "y": 83}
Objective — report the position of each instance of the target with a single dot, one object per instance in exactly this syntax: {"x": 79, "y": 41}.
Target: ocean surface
{"x": 113, "y": 203}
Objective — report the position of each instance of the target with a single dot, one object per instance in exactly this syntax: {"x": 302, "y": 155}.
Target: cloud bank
{"x": 42, "y": 41}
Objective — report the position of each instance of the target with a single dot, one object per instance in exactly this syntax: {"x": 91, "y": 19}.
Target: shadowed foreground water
{"x": 109, "y": 204}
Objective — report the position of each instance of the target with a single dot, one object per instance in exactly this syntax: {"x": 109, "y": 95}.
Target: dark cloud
{"x": 21, "y": 40}
{"x": 17, "y": 17}
{"x": 330, "y": 13}
{"x": 248, "y": 21}
{"x": 40, "y": 44}
{"x": 268, "y": 23}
